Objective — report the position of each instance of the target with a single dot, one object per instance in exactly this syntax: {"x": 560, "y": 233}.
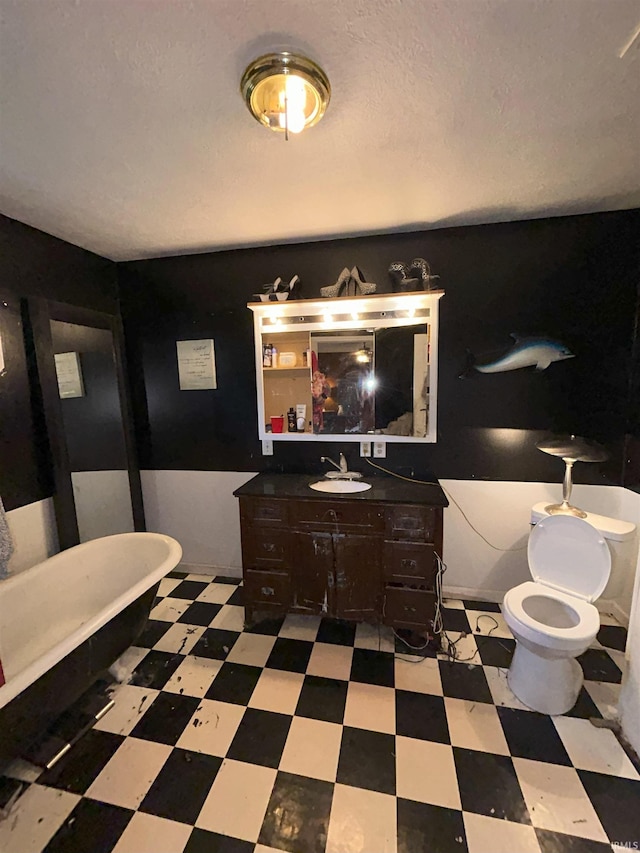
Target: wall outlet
{"x": 267, "y": 447}
{"x": 380, "y": 449}
{"x": 365, "y": 449}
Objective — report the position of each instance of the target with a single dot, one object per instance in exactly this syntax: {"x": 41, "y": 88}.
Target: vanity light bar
{"x": 406, "y": 317}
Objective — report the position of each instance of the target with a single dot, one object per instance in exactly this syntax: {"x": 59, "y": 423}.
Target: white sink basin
{"x": 340, "y": 487}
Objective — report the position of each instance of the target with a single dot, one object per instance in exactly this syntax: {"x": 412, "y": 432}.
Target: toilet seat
{"x": 565, "y": 639}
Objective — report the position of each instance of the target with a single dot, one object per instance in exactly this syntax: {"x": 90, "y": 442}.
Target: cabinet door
{"x": 312, "y": 572}
{"x": 358, "y": 575}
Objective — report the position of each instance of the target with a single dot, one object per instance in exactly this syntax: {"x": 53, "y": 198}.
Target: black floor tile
{"x": 10, "y": 790}
{"x": 200, "y": 613}
{"x": 489, "y": 785}
{"x": 189, "y": 589}
{"x": 270, "y": 627}
{"x": 167, "y": 718}
{"x": 237, "y": 597}
{"x": 372, "y": 667}
{"x": 463, "y": 681}
{"x": 421, "y": 715}
{"x": 235, "y": 682}
{"x": 532, "y": 735}
{"x": 83, "y": 763}
{"x": 484, "y": 606}
{"x": 613, "y": 637}
{"x": 495, "y": 651}
{"x": 181, "y": 787}
{"x": 411, "y": 643}
{"x": 201, "y": 841}
{"x": 227, "y": 579}
{"x": 585, "y": 707}
{"x": 297, "y": 817}
{"x": 155, "y": 669}
{"x": 597, "y": 665}
{"x": 290, "y": 655}
{"x": 454, "y": 620}
{"x": 423, "y": 827}
{"x": 367, "y": 760}
{"x": 337, "y": 632}
{"x": 260, "y": 737}
{"x": 91, "y": 826}
{"x": 616, "y": 802}
{"x": 215, "y": 643}
{"x": 558, "y": 842}
{"x": 322, "y": 699}
{"x": 175, "y": 574}
{"x": 154, "y": 631}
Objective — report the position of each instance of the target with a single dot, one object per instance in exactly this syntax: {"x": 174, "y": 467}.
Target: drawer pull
{"x": 269, "y": 546}
{"x": 409, "y": 564}
{"x": 409, "y": 609}
{"x": 268, "y": 590}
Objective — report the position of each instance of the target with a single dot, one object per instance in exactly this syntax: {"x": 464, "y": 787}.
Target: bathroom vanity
{"x": 369, "y": 556}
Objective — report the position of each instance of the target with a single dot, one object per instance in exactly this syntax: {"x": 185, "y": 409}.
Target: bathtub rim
{"x": 16, "y": 685}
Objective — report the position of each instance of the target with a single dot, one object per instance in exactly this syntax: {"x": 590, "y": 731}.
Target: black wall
{"x": 570, "y": 278}
{"x": 35, "y": 264}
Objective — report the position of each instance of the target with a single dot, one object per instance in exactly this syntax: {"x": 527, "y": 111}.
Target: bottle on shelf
{"x": 291, "y": 420}
{"x": 267, "y": 355}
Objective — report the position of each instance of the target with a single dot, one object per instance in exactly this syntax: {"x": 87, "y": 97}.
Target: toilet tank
{"x": 622, "y": 542}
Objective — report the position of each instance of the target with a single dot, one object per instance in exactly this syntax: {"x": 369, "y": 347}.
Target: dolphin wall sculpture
{"x": 525, "y": 352}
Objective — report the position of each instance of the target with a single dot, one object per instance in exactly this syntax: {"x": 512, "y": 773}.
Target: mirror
{"x": 353, "y": 367}
{"x": 80, "y": 366}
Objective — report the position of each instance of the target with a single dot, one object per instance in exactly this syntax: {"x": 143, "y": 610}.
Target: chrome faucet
{"x": 342, "y": 467}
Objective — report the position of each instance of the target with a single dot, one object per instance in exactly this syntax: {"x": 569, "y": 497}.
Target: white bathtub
{"x": 48, "y": 611}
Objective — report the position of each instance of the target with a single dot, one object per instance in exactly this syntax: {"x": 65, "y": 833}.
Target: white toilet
{"x": 552, "y": 617}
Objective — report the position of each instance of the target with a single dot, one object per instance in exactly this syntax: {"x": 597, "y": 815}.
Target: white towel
{"x": 6, "y": 543}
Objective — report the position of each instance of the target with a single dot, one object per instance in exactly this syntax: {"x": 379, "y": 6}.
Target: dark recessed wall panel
{"x": 570, "y": 278}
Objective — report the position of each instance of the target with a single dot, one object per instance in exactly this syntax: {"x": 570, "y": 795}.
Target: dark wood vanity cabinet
{"x": 361, "y": 560}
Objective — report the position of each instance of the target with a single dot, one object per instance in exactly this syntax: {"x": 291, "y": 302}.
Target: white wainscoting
{"x": 35, "y": 537}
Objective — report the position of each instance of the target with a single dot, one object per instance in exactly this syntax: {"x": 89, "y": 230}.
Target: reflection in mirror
{"x": 93, "y": 428}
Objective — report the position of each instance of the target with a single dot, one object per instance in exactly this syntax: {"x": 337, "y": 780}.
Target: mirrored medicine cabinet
{"x": 348, "y": 368}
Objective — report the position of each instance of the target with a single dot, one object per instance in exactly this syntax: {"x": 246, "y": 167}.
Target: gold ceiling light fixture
{"x": 285, "y": 92}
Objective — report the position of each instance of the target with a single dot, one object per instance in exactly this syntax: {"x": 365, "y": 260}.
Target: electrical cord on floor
{"x": 451, "y": 498}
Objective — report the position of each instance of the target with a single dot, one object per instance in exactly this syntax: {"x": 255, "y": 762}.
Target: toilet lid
{"x": 569, "y": 554}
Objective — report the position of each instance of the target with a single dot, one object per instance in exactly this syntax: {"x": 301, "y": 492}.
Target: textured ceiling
{"x": 122, "y": 128}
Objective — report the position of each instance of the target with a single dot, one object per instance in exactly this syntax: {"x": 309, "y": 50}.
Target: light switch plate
{"x": 365, "y": 449}
{"x": 380, "y": 449}
{"x": 267, "y": 447}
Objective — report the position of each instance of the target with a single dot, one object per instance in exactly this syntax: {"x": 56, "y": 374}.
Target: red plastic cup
{"x": 277, "y": 423}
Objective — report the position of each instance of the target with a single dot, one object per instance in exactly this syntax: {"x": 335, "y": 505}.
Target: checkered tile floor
{"x": 310, "y": 735}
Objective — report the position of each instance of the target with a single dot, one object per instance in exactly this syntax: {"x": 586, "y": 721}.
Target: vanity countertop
{"x": 384, "y": 489}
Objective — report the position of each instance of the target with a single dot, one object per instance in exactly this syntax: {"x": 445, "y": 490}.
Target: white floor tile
{"x": 619, "y": 658}
{"x": 609, "y": 619}
{"x": 330, "y": 661}
{"x": 229, "y": 618}
{"x": 556, "y": 799}
{"x": 312, "y": 749}
{"x": 22, "y": 770}
{"x": 361, "y": 822}
{"x": 217, "y": 593}
{"x": 35, "y": 818}
{"x": 486, "y": 626}
{"x": 167, "y": 585}
{"x": 131, "y": 704}
{"x": 425, "y": 772}
{"x": 179, "y": 639}
{"x": 591, "y": 748}
{"x": 475, "y": 725}
{"x": 453, "y": 603}
{"x": 128, "y": 775}
{"x": 466, "y": 650}
{"x": 260, "y": 848}
{"x": 201, "y": 577}
{"x": 194, "y": 676}
{"x": 277, "y": 691}
{"x": 370, "y": 707}
{"x": 299, "y": 627}
{"x": 490, "y": 835}
{"x": 422, "y": 676}
{"x": 237, "y": 801}
{"x": 376, "y": 638}
{"x": 146, "y": 833}
{"x": 251, "y": 649}
{"x": 123, "y": 668}
{"x": 212, "y": 727}
{"x": 169, "y": 609}
{"x": 500, "y": 690}
{"x": 606, "y": 697}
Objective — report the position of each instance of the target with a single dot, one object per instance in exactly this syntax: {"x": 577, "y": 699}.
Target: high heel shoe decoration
{"x": 412, "y": 277}
{"x": 279, "y": 290}
{"x": 349, "y": 283}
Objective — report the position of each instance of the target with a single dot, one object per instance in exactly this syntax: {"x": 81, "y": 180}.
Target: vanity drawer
{"x": 266, "y": 589}
{"x": 265, "y": 548}
{"x": 412, "y": 563}
{"x": 408, "y": 608}
{"x": 325, "y": 515}
{"x": 267, "y": 512}
{"x": 413, "y": 523}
